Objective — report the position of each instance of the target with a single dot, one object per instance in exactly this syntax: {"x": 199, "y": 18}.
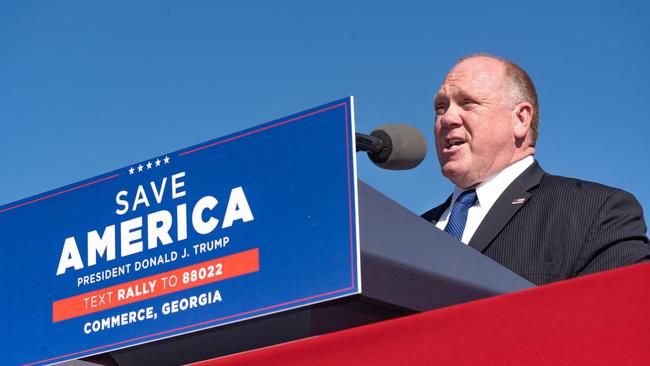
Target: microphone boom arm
{"x": 369, "y": 143}
{"x": 378, "y": 145}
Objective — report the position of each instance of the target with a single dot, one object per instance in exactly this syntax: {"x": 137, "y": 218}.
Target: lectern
{"x": 407, "y": 266}
{"x": 253, "y": 239}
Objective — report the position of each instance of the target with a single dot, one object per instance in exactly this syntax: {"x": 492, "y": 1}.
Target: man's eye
{"x": 468, "y": 102}
{"x": 441, "y": 108}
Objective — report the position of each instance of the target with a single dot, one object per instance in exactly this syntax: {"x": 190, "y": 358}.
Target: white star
{"x": 157, "y": 162}
{"x": 149, "y": 165}
{"x": 131, "y": 171}
{"x": 166, "y": 159}
{"x": 140, "y": 167}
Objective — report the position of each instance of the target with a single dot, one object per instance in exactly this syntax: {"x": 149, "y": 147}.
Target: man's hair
{"x": 520, "y": 86}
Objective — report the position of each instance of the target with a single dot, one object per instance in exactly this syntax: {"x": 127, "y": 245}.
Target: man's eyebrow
{"x": 457, "y": 92}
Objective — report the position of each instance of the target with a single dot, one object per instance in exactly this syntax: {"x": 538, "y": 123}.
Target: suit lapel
{"x": 506, "y": 206}
{"x": 433, "y": 215}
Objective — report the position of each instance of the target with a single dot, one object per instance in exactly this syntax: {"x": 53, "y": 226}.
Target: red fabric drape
{"x": 602, "y": 319}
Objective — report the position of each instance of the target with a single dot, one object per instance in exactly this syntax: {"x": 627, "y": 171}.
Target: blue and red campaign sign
{"x": 253, "y": 223}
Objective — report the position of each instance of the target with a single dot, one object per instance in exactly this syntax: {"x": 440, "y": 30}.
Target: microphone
{"x": 395, "y": 147}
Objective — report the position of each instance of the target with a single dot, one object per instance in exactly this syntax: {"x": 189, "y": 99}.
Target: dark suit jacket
{"x": 564, "y": 228}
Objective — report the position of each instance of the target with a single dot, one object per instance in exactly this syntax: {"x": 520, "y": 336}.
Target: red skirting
{"x": 602, "y": 319}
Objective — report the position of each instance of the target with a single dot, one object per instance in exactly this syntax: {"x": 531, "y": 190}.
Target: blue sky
{"x": 87, "y": 86}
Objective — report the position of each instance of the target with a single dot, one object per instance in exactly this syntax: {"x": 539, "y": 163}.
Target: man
{"x": 544, "y": 227}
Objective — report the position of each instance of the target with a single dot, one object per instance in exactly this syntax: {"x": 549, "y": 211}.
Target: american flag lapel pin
{"x": 518, "y": 201}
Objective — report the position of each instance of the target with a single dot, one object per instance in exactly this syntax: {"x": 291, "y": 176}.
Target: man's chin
{"x": 460, "y": 177}
{"x": 452, "y": 170}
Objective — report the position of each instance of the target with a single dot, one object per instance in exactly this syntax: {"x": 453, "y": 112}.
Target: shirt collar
{"x": 490, "y": 190}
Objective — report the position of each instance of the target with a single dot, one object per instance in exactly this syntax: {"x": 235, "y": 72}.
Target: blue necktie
{"x": 458, "y": 217}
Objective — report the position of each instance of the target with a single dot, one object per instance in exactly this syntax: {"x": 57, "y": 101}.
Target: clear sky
{"x": 88, "y": 86}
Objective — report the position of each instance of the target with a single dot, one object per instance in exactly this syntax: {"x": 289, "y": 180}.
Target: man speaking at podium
{"x": 546, "y": 228}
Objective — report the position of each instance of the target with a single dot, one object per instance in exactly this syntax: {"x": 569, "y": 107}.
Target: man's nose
{"x": 451, "y": 118}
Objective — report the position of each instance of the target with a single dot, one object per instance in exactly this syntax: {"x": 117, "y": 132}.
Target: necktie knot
{"x": 467, "y": 198}
{"x": 458, "y": 217}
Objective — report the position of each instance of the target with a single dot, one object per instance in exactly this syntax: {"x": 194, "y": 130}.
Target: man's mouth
{"x": 454, "y": 143}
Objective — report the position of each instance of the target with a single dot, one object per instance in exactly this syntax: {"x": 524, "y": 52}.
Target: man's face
{"x": 474, "y": 122}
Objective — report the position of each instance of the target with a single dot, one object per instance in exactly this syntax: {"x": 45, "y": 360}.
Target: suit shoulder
{"x": 582, "y": 189}
{"x": 575, "y": 184}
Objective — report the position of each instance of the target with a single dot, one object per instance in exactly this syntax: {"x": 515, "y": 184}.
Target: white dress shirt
{"x": 487, "y": 192}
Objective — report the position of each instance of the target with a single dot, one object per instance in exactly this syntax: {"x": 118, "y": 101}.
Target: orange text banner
{"x": 157, "y": 285}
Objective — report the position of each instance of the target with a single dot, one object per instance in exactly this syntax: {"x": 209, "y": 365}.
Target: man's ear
{"x": 523, "y": 116}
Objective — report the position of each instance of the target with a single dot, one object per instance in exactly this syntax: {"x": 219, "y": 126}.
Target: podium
{"x": 221, "y": 248}
{"x": 407, "y": 266}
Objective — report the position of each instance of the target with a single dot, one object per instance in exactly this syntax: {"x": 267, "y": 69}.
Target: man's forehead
{"x": 475, "y": 74}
